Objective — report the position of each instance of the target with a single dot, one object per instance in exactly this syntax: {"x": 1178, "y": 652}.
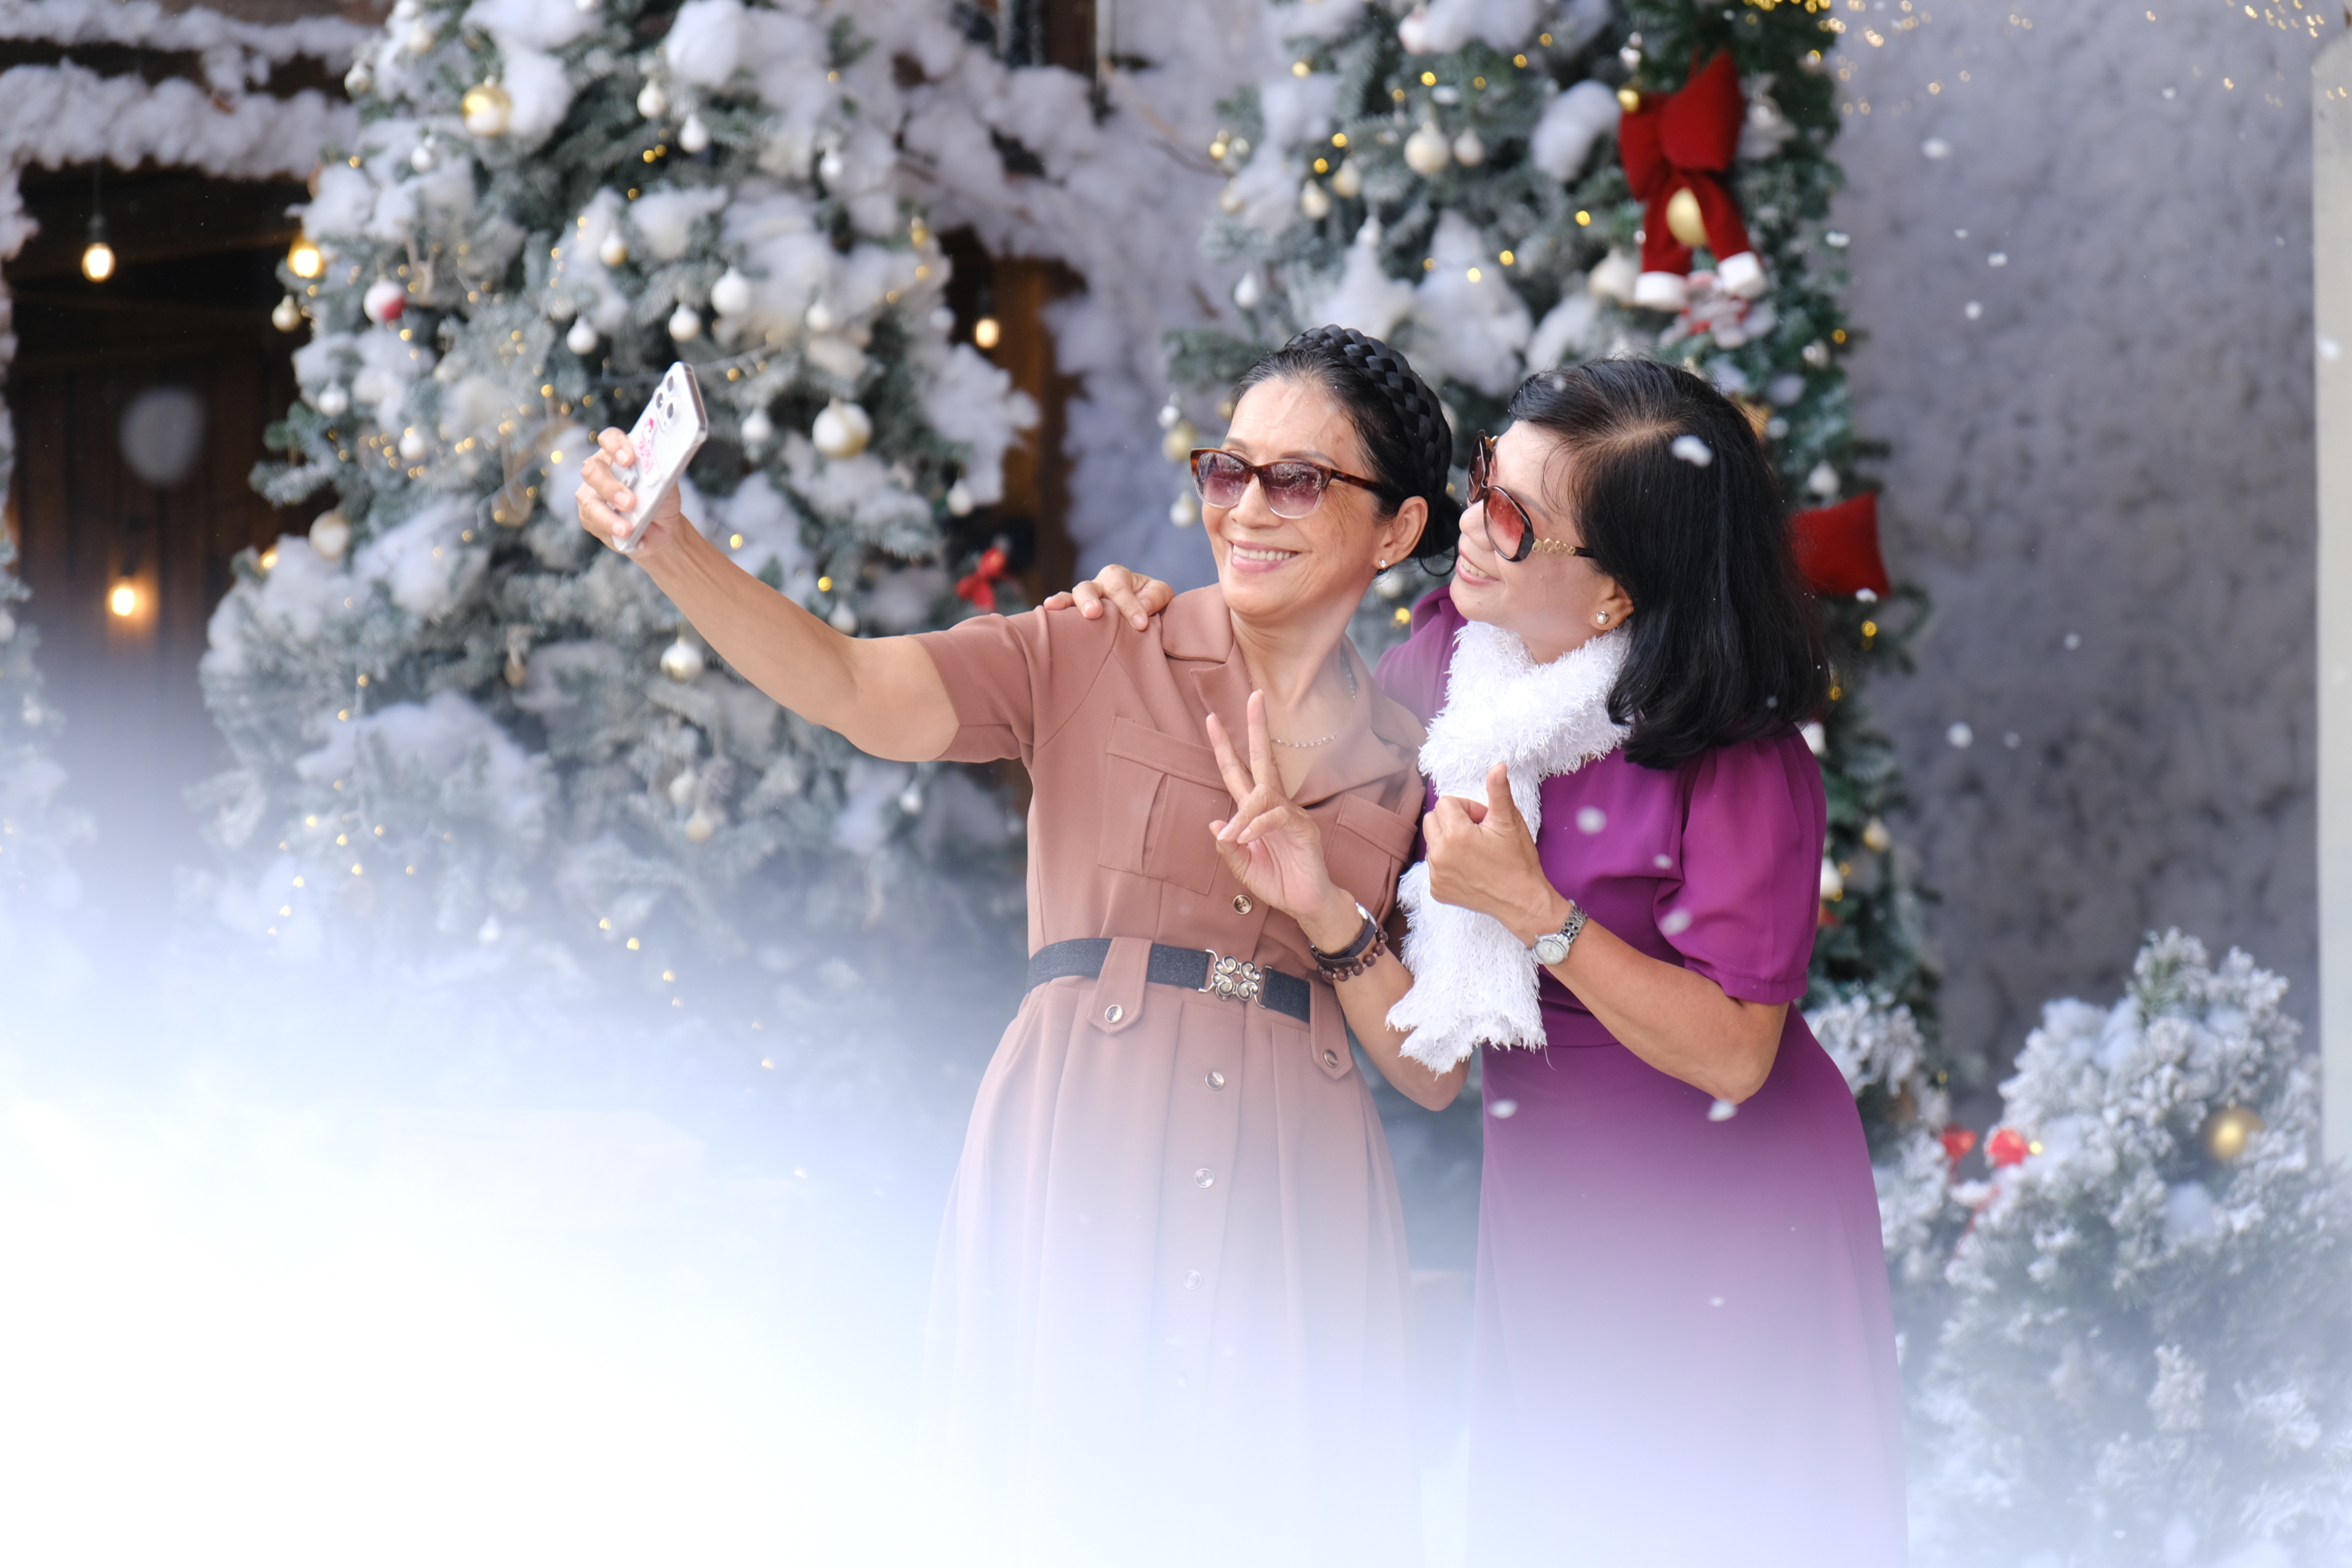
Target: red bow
{"x": 979, "y": 588}
{"x": 1686, "y": 141}
{"x": 1837, "y": 547}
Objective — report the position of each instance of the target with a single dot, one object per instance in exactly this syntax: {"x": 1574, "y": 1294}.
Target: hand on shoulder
{"x": 1136, "y": 597}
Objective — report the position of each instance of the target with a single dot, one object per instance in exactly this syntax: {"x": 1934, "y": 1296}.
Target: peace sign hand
{"x": 1273, "y": 848}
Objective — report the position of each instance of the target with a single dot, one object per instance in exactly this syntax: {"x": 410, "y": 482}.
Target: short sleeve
{"x": 1748, "y": 903}
{"x": 1413, "y": 672}
{"x": 1014, "y": 681}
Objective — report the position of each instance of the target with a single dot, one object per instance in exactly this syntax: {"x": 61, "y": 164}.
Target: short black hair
{"x": 1408, "y": 443}
{"x": 1678, "y": 501}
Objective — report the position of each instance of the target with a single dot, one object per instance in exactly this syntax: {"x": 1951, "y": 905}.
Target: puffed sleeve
{"x": 1014, "y": 681}
{"x": 1413, "y": 672}
{"x": 1748, "y": 902}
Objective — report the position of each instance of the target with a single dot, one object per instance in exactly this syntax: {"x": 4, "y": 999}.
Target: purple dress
{"x": 1683, "y": 1353}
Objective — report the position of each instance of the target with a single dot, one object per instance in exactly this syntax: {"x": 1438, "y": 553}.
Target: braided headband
{"x": 1416, "y": 406}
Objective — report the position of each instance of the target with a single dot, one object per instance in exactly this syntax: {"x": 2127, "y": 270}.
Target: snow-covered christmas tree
{"x": 2150, "y": 1356}
{"x": 465, "y": 734}
{"x": 1497, "y": 187}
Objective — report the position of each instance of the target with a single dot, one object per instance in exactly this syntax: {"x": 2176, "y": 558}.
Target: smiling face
{"x": 1554, "y": 602}
{"x": 1281, "y": 569}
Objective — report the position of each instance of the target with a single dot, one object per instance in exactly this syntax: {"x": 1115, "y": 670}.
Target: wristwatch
{"x": 1552, "y": 946}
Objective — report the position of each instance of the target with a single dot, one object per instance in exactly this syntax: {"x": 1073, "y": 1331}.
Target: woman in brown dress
{"x": 1169, "y": 1311}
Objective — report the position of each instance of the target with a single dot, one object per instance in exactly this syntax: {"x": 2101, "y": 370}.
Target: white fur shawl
{"x": 1473, "y": 981}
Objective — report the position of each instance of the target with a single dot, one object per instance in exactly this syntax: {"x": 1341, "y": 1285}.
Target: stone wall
{"x": 2088, "y": 341}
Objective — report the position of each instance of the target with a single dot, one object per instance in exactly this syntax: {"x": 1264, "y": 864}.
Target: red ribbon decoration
{"x": 2008, "y": 1147}
{"x": 1837, "y": 547}
{"x": 1686, "y": 141}
{"x": 979, "y": 588}
{"x": 1958, "y": 1141}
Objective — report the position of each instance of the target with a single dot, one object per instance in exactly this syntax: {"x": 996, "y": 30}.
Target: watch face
{"x": 1551, "y": 949}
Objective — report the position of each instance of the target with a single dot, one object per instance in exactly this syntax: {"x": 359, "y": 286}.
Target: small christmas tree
{"x": 2149, "y": 1359}
{"x": 1485, "y": 184}
{"x": 464, "y": 731}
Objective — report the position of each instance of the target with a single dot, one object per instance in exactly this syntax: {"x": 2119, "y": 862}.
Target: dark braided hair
{"x": 1408, "y": 445}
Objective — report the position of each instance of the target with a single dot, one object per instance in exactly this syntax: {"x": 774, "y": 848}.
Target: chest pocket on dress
{"x": 1160, "y": 795}
{"x": 1365, "y": 846}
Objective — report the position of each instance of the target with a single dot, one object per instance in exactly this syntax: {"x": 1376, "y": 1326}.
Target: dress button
{"x": 1204, "y": 1177}
{"x": 1192, "y": 1279}
{"x": 1215, "y": 1079}
{"x": 1330, "y": 1058}
{"x": 1114, "y": 1013}
{"x": 1242, "y": 904}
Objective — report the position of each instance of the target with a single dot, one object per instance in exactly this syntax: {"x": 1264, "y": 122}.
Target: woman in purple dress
{"x": 1683, "y": 1353}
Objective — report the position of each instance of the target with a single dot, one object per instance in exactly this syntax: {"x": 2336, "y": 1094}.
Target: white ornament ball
{"x": 694, "y": 135}
{"x": 1314, "y": 202}
{"x": 582, "y": 338}
{"x": 286, "y": 315}
{"x": 1468, "y": 150}
{"x": 843, "y": 620}
{"x": 832, "y": 167}
{"x": 331, "y": 535}
{"x": 1412, "y": 32}
{"x": 842, "y": 430}
{"x": 1184, "y": 510}
{"x": 681, "y": 789}
{"x": 1823, "y": 481}
{"x": 1169, "y": 414}
{"x": 384, "y": 300}
{"x": 652, "y": 101}
{"x": 562, "y": 308}
{"x": 819, "y": 318}
{"x": 423, "y": 159}
{"x": 1960, "y": 736}
{"x": 412, "y": 443}
{"x": 1349, "y": 180}
{"x": 961, "y": 500}
{"x": 758, "y": 428}
{"x": 1249, "y": 289}
{"x": 700, "y": 827}
{"x": 685, "y": 325}
{"x": 420, "y": 39}
{"x": 1833, "y": 880}
{"x": 359, "y": 78}
{"x": 682, "y": 661}
{"x": 731, "y": 295}
{"x": 910, "y": 799}
{"x": 613, "y": 251}
{"x": 1426, "y": 150}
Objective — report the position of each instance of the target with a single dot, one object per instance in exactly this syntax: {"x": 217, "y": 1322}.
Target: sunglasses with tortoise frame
{"x": 1502, "y": 520}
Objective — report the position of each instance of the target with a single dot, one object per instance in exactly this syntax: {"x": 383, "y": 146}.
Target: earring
{"x": 1601, "y": 619}
{"x": 1383, "y": 563}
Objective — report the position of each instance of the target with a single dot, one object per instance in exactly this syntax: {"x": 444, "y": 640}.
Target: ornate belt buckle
{"x": 1235, "y": 979}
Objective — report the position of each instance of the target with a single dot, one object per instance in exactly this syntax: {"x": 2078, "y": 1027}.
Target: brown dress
{"x": 1168, "y": 1317}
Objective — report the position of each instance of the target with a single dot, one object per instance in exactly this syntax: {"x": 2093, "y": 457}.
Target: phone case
{"x": 665, "y": 437}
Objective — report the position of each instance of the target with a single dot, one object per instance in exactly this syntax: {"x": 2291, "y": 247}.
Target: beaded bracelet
{"x": 1358, "y": 956}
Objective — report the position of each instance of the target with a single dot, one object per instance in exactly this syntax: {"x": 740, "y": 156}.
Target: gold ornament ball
{"x": 1629, "y": 99}
{"x": 488, "y": 109}
{"x": 1178, "y": 444}
{"x": 1683, "y": 220}
{"x": 287, "y": 316}
{"x": 841, "y": 429}
{"x": 700, "y": 827}
{"x": 1875, "y": 838}
{"x": 682, "y": 661}
{"x": 2227, "y": 1131}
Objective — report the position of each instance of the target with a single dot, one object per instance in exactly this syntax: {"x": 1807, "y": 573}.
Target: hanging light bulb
{"x": 987, "y": 332}
{"x": 124, "y": 600}
{"x": 303, "y": 257}
{"x": 97, "y": 257}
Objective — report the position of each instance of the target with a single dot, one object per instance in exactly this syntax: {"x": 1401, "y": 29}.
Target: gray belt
{"x": 1193, "y": 968}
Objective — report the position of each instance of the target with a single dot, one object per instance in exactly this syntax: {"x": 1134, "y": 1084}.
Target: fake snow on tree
{"x": 2150, "y": 1354}
{"x": 535, "y": 213}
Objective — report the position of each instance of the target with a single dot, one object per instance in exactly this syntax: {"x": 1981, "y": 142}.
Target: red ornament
{"x": 979, "y": 588}
{"x": 1685, "y": 140}
{"x": 384, "y": 300}
{"x": 1958, "y": 1141}
{"x": 2007, "y": 1147}
{"x": 1837, "y": 547}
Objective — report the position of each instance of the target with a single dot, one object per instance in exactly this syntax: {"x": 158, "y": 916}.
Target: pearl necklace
{"x": 1348, "y": 669}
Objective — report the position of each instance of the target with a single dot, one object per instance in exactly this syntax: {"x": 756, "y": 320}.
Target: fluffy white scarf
{"x": 1473, "y": 980}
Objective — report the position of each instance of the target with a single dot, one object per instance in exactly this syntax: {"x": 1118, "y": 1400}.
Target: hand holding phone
{"x": 664, "y": 440}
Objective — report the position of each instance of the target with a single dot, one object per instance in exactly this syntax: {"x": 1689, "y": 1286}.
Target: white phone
{"x": 665, "y": 437}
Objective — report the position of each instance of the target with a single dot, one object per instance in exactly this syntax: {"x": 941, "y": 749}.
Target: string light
{"x": 123, "y": 601}
{"x": 986, "y": 332}
{"x": 303, "y": 258}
